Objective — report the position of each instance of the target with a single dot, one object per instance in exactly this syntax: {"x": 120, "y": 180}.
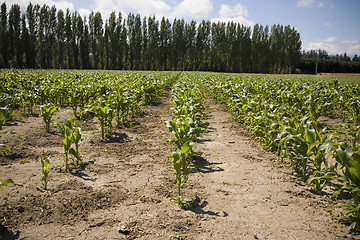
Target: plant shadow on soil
{"x": 79, "y": 172}
{"x": 198, "y": 208}
{"x": 203, "y": 166}
{"x": 5, "y": 233}
{"x": 118, "y": 137}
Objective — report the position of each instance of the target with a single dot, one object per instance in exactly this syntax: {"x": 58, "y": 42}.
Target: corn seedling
{"x": 105, "y": 115}
{"x": 77, "y": 137}
{"x": 6, "y": 115}
{"x": 67, "y": 146}
{"x": 45, "y": 164}
{"x": 69, "y": 136}
{"x": 47, "y": 112}
{"x": 121, "y": 105}
{"x": 181, "y": 169}
{"x": 4, "y": 149}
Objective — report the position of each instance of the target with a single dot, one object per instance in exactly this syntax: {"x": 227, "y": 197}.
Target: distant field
{"x": 342, "y": 77}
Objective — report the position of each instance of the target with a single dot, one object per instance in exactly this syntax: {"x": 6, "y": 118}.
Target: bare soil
{"x": 125, "y": 188}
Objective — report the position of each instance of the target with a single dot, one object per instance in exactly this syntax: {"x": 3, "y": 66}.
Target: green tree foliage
{"x": 153, "y": 43}
{"x": 96, "y": 35}
{"x": 44, "y": 37}
{"x": 14, "y": 36}
{"x": 4, "y": 37}
{"x": 60, "y": 34}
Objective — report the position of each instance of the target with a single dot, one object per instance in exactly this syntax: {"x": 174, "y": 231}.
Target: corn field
{"x": 288, "y": 116}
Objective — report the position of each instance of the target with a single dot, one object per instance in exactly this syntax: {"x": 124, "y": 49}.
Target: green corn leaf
{"x": 9, "y": 181}
{"x": 45, "y": 164}
{"x": 189, "y": 170}
{"x": 354, "y": 168}
{"x": 2, "y": 119}
{"x": 68, "y": 123}
{"x": 185, "y": 148}
{"x": 328, "y": 144}
{"x": 67, "y": 142}
{"x": 3, "y": 147}
{"x": 74, "y": 153}
{"x": 311, "y": 136}
{"x": 68, "y": 132}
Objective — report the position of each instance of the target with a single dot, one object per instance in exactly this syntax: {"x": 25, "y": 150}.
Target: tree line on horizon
{"x": 47, "y": 38}
{"x": 323, "y": 54}
{"x": 320, "y": 61}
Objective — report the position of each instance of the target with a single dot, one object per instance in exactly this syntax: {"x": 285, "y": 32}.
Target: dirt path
{"x": 124, "y": 188}
{"x": 252, "y": 197}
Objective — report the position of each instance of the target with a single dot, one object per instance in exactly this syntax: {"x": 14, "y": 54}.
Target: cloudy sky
{"x": 332, "y": 25}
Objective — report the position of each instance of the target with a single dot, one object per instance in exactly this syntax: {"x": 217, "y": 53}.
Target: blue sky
{"x": 332, "y": 25}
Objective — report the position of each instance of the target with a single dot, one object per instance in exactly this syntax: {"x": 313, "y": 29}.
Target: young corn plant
{"x": 47, "y": 112}
{"x": 105, "y": 116}
{"x": 74, "y": 99}
{"x": 67, "y": 146}
{"x": 349, "y": 159}
{"x": 77, "y": 137}
{"x": 6, "y": 114}
{"x": 182, "y": 170}
{"x": 45, "y": 171}
{"x": 71, "y": 133}
{"x": 121, "y": 105}
{"x": 4, "y": 149}
{"x": 351, "y": 181}
{"x": 181, "y": 131}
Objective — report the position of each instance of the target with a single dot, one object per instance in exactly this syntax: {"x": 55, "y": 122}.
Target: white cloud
{"x": 305, "y": 3}
{"x": 350, "y": 42}
{"x": 198, "y": 9}
{"x": 239, "y": 19}
{"x": 105, "y": 7}
{"x": 143, "y": 7}
{"x": 310, "y": 3}
{"x": 334, "y": 46}
{"x": 330, "y": 39}
{"x": 63, "y": 5}
{"x": 332, "y": 6}
{"x": 238, "y": 10}
{"x": 235, "y": 14}
{"x": 84, "y": 12}
{"x": 194, "y": 9}
{"x": 355, "y": 49}
{"x": 331, "y": 48}
{"x": 59, "y": 4}
{"x": 327, "y": 24}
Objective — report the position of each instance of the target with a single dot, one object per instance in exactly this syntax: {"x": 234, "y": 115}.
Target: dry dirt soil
{"x": 125, "y": 188}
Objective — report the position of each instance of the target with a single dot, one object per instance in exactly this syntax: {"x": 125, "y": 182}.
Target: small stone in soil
{"x": 124, "y": 230}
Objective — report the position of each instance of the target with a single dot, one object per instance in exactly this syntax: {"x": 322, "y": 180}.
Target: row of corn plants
{"x": 111, "y": 98}
{"x": 106, "y": 95}
{"x": 284, "y": 115}
{"x": 185, "y": 128}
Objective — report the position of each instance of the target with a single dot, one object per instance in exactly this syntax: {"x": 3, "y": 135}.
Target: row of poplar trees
{"x": 44, "y": 37}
